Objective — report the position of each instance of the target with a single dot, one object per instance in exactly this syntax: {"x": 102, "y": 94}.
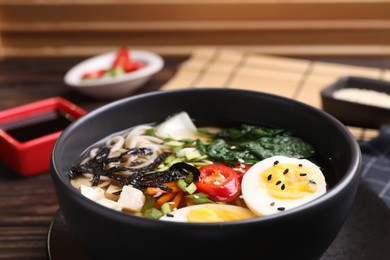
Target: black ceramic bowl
{"x": 301, "y": 233}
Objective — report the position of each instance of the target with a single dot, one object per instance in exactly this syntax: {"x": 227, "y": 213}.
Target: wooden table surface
{"x": 28, "y": 204}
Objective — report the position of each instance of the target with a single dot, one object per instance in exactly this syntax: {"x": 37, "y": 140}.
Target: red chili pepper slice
{"x": 94, "y": 74}
{"x": 123, "y": 59}
{"x": 220, "y": 182}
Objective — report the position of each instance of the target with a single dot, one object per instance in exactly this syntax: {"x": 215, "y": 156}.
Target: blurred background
{"x": 176, "y": 27}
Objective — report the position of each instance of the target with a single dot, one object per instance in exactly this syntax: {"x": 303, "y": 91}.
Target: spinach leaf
{"x": 253, "y": 143}
{"x": 247, "y": 132}
{"x": 291, "y": 146}
{"x": 220, "y": 150}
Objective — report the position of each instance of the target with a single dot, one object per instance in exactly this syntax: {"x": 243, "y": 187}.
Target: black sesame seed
{"x": 285, "y": 171}
{"x": 276, "y": 162}
{"x": 302, "y": 174}
{"x": 278, "y": 182}
{"x": 300, "y": 165}
{"x": 272, "y": 204}
{"x": 269, "y": 177}
{"x": 170, "y": 215}
{"x": 281, "y": 208}
{"x": 312, "y": 182}
{"x": 282, "y": 187}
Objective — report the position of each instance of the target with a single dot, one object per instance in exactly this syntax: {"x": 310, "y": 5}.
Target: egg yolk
{"x": 291, "y": 181}
{"x": 214, "y": 214}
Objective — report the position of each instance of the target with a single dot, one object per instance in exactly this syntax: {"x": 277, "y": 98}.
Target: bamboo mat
{"x": 298, "y": 79}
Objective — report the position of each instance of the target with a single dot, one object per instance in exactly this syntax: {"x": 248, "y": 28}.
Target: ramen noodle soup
{"x": 176, "y": 171}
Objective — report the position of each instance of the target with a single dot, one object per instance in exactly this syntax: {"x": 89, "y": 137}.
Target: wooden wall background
{"x": 174, "y": 27}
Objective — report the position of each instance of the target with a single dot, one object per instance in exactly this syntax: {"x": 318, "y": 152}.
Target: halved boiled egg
{"x": 209, "y": 213}
{"x": 280, "y": 183}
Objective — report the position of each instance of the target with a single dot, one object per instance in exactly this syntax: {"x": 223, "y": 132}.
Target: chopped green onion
{"x": 200, "y": 163}
{"x": 153, "y": 213}
{"x": 177, "y": 148}
{"x": 193, "y": 155}
{"x": 149, "y": 203}
{"x": 189, "y": 178}
{"x": 197, "y": 195}
{"x": 191, "y": 188}
{"x": 199, "y": 198}
{"x": 165, "y": 208}
{"x": 174, "y": 161}
{"x": 201, "y": 201}
{"x": 181, "y": 183}
{"x": 174, "y": 143}
{"x": 169, "y": 159}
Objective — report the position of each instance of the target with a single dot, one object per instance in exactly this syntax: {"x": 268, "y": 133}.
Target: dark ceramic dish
{"x": 301, "y": 233}
{"x": 353, "y": 113}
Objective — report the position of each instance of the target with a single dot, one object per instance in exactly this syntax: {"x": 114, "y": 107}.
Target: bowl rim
{"x": 154, "y": 63}
{"x": 351, "y": 173}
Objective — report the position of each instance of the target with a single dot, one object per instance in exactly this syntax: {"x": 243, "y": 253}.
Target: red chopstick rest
{"x": 28, "y": 133}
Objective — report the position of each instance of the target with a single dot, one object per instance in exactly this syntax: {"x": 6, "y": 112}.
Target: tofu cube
{"x": 110, "y": 204}
{"x": 93, "y": 193}
{"x": 131, "y": 199}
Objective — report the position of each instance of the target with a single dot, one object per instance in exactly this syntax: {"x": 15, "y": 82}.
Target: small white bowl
{"x": 113, "y": 87}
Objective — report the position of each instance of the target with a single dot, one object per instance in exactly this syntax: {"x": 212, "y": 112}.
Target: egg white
{"x": 258, "y": 196}
{"x": 209, "y": 212}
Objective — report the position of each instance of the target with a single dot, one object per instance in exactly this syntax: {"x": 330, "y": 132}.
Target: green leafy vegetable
{"x": 253, "y": 143}
{"x": 247, "y": 132}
